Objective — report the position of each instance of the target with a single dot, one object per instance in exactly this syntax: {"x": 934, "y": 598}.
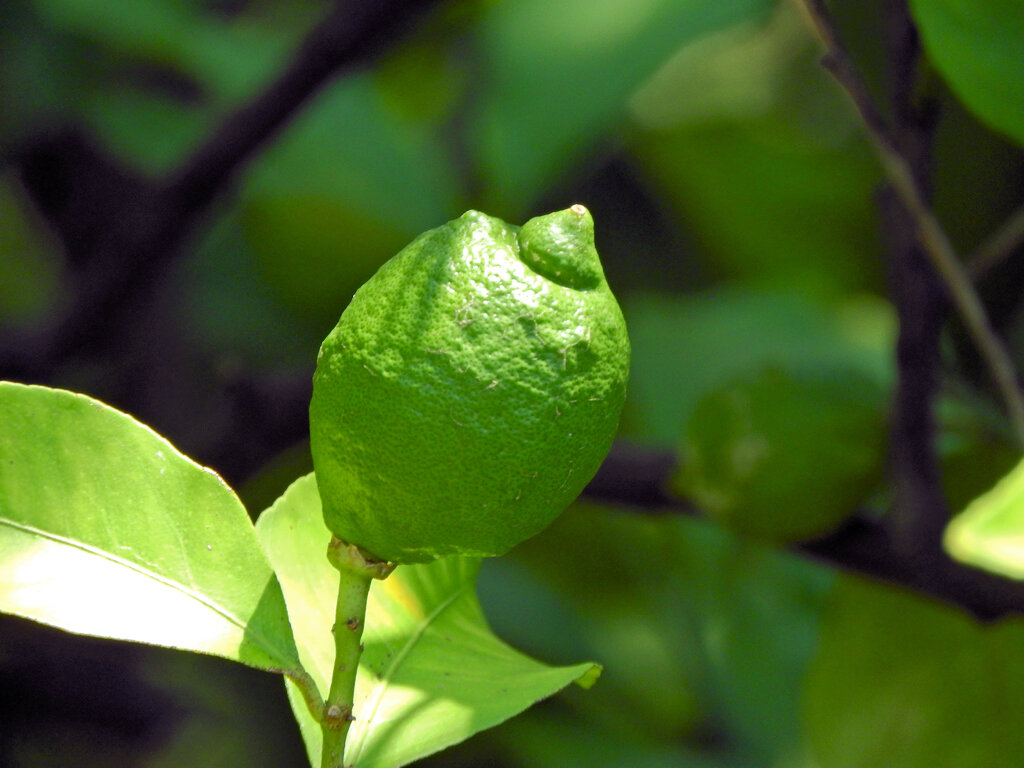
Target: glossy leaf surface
{"x": 432, "y": 673}
{"x": 106, "y": 529}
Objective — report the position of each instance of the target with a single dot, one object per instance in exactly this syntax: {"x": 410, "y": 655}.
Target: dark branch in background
{"x": 354, "y": 34}
{"x": 933, "y": 238}
{"x": 920, "y": 511}
{"x": 136, "y": 230}
{"x": 636, "y": 478}
{"x": 911, "y": 552}
{"x": 998, "y": 246}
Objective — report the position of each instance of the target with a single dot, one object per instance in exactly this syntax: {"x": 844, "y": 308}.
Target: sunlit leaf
{"x": 432, "y": 673}
{"x": 106, "y": 529}
{"x": 976, "y": 45}
{"x": 989, "y": 533}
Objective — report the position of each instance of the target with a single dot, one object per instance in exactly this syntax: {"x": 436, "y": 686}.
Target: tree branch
{"x": 862, "y": 545}
{"x": 353, "y": 34}
{"x": 933, "y": 238}
{"x": 915, "y": 556}
{"x": 998, "y": 246}
{"x": 920, "y": 512}
{"x": 137, "y": 227}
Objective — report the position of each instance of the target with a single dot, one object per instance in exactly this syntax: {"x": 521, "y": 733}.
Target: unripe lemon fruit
{"x": 470, "y": 390}
{"x": 784, "y": 456}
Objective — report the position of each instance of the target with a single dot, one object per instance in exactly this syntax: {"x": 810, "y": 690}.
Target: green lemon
{"x": 783, "y": 456}
{"x": 470, "y": 389}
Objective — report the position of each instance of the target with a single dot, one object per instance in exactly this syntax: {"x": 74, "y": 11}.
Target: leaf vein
{"x": 186, "y": 590}
{"x": 379, "y": 689}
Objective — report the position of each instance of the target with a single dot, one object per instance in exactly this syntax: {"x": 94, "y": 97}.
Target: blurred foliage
{"x": 748, "y": 446}
{"x": 747, "y": 136}
{"x": 704, "y": 636}
{"x": 880, "y": 689}
{"x": 976, "y": 47}
{"x": 30, "y": 265}
{"x": 726, "y": 333}
{"x": 733, "y": 191}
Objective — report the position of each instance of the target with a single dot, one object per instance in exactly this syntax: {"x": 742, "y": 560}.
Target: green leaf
{"x": 744, "y": 136}
{"x": 432, "y": 673}
{"x": 976, "y": 446}
{"x": 785, "y": 457}
{"x": 318, "y": 229}
{"x": 200, "y": 62}
{"x": 976, "y": 45}
{"x": 905, "y": 682}
{"x": 227, "y": 58}
{"x": 694, "y": 625}
{"x": 720, "y": 335}
{"x": 989, "y": 533}
{"x": 226, "y": 715}
{"x": 30, "y": 283}
{"x": 551, "y": 739}
{"x": 739, "y": 220}
{"x": 106, "y": 529}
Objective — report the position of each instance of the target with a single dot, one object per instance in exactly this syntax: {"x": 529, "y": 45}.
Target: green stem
{"x": 356, "y": 572}
{"x": 310, "y": 694}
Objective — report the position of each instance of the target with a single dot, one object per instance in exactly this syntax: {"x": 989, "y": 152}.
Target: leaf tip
{"x": 587, "y": 680}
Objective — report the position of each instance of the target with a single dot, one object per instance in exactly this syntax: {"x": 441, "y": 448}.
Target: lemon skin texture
{"x": 470, "y": 390}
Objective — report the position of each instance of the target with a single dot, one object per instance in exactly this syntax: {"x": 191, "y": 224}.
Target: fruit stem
{"x": 356, "y": 571}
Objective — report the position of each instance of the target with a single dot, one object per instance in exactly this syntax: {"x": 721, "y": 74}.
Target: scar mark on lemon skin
{"x": 530, "y": 318}
{"x": 462, "y": 316}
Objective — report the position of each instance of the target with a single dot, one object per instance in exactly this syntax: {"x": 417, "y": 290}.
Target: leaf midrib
{"x": 380, "y": 688}
{"x": 265, "y": 644}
